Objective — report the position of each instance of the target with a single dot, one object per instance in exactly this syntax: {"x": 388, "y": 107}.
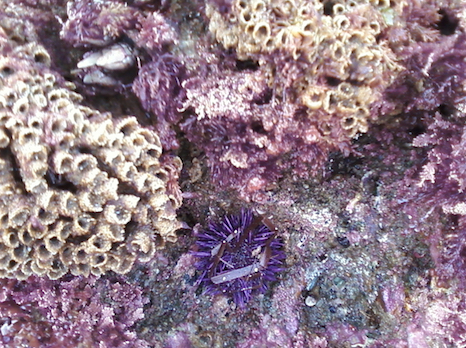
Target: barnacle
{"x": 239, "y": 256}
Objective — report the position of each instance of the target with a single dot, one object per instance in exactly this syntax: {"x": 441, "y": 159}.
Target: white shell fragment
{"x": 116, "y": 57}
{"x": 243, "y": 271}
{"x": 310, "y": 301}
{"x": 97, "y": 77}
{"x": 234, "y": 274}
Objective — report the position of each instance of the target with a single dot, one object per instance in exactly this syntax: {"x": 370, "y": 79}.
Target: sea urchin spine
{"x": 239, "y": 256}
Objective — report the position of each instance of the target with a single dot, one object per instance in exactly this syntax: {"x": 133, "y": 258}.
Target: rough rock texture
{"x": 251, "y": 140}
{"x": 305, "y": 77}
{"x": 374, "y": 248}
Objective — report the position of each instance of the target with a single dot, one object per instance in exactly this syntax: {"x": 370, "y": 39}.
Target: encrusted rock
{"x": 80, "y": 191}
{"x": 346, "y": 67}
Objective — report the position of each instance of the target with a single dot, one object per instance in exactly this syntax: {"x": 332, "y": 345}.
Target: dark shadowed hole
{"x": 417, "y": 130}
{"x": 56, "y": 265}
{"x": 59, "y": 181}
{"x": 55, "y": 242}
{"x": 43, "y": 252}
{"x": 328, "y": 8}
{"x": 13, "y": 238}
{"x": 354, "y": 82}
{"x": 98, "y": 244}
{"x": 349, "y": 122}
{"x": 85, "y": 149}
{"x": 81, "y": 255}
{"x": 56, "y": 126}
{"x": 206, "y": 339}
{"x": 124, "y": 188}
{"x": 67, "y": 253}
{"x": 153, "y": 153}
{"x": 63, "y": 144}
{"x": 12, "y": 264}
{"x": 162, "y": 176}
{"x": 20, "y": 251}
{"x": 42, "y": 213}
{"x": 83, "y": 268}
{"x": 447, "y": 24}
{"x": 264, "y": 98}
{"x": 308, "y": 27}
{"x": 322, "y": 257}
{"x": 83, "y": 223}
{"x": 6, "y": 71}
{"x": 247, "y": 65}
{"x": 463, "y": 252}
{"x": 453, "y": 221}
{"x": 257, "y": 127}
{"x": 259, "y": 7}
{"x": 27, "y": 238}
{"x": 99, "y": 259}
{"x": 332, "y": 81}
{"x": 36, "y": 124}
{"x": 130, "y": 227}
{"x": 22, "y": 109}
{"x": 343, "y": 241}
{"x": 40, "y": 57}
{"x": 128, "y": 129}
{"x": 446, "y": 110}
{"x": 4, "y": 220}
{"x": 84, "y": 165}
{"x": 66, "y": 231}
{"x": 158, "y": 240}
{"x": 28, "y": 136}
{"x": 262, "y": 31}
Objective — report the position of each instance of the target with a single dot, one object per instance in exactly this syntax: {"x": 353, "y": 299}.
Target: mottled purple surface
{"x": 158, "y": 88}
{"x": 73, "y": 312}
{"x": 373, "y": 228}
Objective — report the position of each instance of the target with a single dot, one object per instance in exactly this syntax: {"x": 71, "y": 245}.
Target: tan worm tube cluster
{"x": 337, "y": 39}
{"x": 79, "y": 190}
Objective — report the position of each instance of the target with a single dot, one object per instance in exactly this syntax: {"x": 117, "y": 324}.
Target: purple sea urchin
{"x": 239, "y": 256}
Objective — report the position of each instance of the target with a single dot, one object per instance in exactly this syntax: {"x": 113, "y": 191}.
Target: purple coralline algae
{"x": 344, "y": 120}
{"x": 73, "y": 312}
{"x": 260, "y": 139}
{"x": 440, "y": 185}
{"x": 97, "y": 23}
{"x": 238, "y": 257}
{"x": 301, "y": 87}
{"x": 158, "y": 88}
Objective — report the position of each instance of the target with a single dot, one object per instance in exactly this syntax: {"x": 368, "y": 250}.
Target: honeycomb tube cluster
{"x": 346, "y": 63}
{"x": 80, "y": 191}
